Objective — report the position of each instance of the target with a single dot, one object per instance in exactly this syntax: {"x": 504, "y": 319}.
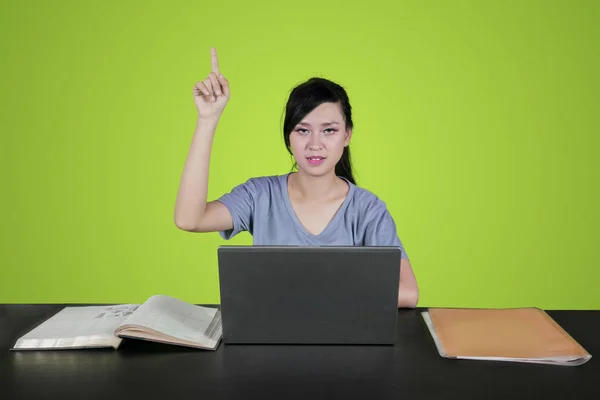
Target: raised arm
{"x": 192, "y": 211}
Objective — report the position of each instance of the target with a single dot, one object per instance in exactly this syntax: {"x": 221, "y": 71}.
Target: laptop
{"x": 309, "y": 295}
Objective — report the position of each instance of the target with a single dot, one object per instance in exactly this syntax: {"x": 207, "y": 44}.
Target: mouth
{"x": 315, "y": 160}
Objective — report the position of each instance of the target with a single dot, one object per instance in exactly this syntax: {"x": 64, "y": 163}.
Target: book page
{"x": 177, "y": 319}
{"x": 429, "y": 323}
{"x": 73, "y": 327}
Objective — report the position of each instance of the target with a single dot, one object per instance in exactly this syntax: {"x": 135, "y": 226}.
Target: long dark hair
{"x": 306, "y": 97}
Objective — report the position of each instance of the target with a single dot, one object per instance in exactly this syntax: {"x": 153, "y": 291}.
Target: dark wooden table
{"x": 412, "y": 369}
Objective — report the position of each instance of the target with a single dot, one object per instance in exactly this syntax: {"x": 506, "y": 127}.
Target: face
{"x": 318, "y": 141}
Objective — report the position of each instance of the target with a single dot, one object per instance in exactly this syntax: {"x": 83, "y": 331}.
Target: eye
{"x": 302, "y": 131}
{"x": 330, "y": 131}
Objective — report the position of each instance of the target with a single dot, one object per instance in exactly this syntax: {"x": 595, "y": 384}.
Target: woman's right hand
{"x": 211, "y": 94}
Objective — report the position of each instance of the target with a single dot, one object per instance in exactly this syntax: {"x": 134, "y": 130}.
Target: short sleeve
{"x": 381, "y": 229}
{"x": 240, "y": 203}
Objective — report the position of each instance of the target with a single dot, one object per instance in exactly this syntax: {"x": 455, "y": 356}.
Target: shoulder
{"x": 368, "y": 210}
{"x": 373, "y": 218}
{"x": 261, "y": 185}
{"x": 367, "y": 202}
{"x": 267, "y": 182}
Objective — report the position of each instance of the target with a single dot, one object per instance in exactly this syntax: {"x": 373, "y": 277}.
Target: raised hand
{"x": 211, "y": 94}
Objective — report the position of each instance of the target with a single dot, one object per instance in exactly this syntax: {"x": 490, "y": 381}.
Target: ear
{"x": 348, "y": 136}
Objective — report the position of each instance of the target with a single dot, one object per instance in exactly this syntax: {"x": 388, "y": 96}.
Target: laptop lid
{"x": 309, "y": 295}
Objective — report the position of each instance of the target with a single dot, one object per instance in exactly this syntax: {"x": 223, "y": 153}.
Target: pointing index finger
{"x": 215, "y": 61}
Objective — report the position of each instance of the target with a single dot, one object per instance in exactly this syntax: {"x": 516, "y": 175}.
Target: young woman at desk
{"x": 319, "y": 204}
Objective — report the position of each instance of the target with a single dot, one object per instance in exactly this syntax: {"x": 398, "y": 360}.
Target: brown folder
{"x": 508, "y": 334}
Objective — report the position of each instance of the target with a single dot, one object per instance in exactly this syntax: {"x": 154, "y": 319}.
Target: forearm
{"x": 408, "y": 292}
{"x": 193, "y": 187}
{"x": 408, "y": 297}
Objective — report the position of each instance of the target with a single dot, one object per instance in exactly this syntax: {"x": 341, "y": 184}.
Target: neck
{"x": 313, "y": 188}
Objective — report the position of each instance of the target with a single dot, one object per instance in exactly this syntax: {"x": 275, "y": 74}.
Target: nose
{"x": 314, "y": 143}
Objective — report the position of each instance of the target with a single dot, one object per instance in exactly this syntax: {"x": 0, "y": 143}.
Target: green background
{"x": 476, "y": 122}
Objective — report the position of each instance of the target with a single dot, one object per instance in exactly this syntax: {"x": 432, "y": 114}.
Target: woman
{"x": 319, "y": 204}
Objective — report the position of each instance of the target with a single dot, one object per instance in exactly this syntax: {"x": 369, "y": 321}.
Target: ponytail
{"x": 344, "y": 167}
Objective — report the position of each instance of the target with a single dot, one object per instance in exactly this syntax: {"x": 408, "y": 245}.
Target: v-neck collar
{"x": 336, "y": 217}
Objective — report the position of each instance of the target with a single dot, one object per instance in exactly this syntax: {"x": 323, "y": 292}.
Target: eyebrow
{"x": 323, "y": 124}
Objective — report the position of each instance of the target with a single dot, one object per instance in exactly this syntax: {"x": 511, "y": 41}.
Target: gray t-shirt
{"x": 261, "y": 206}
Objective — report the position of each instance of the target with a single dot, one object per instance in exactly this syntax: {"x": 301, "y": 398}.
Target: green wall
{"x": 476, "y": 121}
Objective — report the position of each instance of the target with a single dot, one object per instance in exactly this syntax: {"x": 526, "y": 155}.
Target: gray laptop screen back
{"x": 302, "y": 295}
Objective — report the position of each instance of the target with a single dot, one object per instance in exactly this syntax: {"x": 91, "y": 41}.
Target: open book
{"x": 160, "y": 319}
{"x": 527, "y": 335}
